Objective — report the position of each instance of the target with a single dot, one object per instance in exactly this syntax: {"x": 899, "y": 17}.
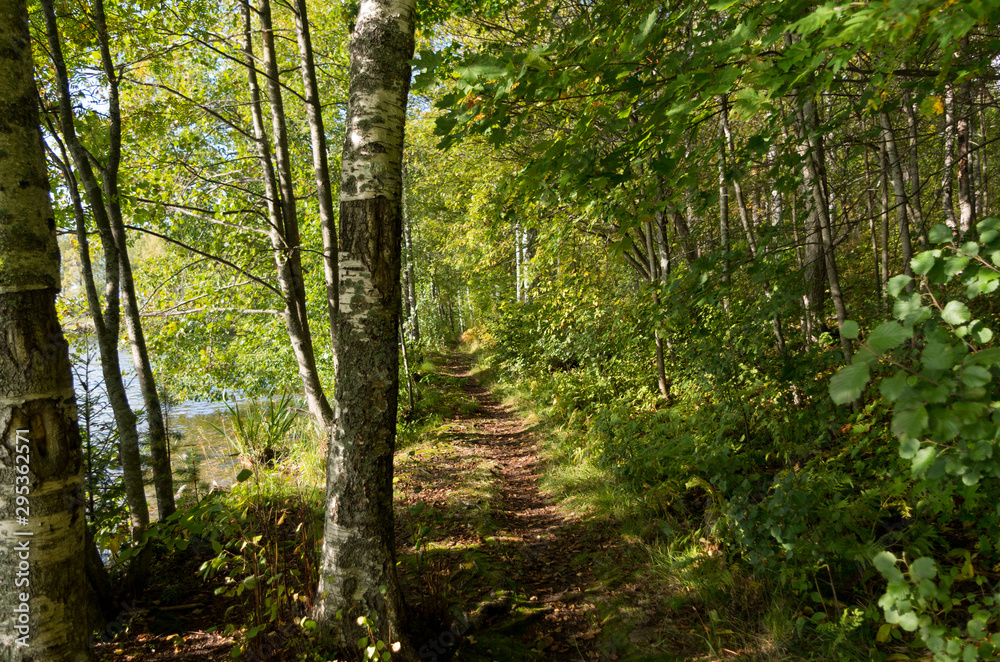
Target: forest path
{"x": 536, "y": 586}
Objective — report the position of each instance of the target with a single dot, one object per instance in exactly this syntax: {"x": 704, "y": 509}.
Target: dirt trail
{"x": 544, "y": 548}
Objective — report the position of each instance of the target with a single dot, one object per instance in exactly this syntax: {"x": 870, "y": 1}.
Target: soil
{"x": 543, "y": 549}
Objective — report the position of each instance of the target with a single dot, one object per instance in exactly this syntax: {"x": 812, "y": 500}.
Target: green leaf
{"x": 955, "y": 313}
{"x": 975, "y": 375}
{"x": 938, "y": 356}
{"x": 970, "y": 248}
{"x": 923, "y": 460}
{"x": 988, "y": 224}
{"x": 909, "y": 422}
{"x": 250, "y": 582}
{"x": 989, "y": 356}
{"x": 887, "y": 335}
{"x": 243, "y": 475}
{"x": 908, "y": 447}
{"x": 909, "y": 309}
{"x": 847, "y": 385}
{"x": 884, "y": 562}
{"x": 898, "y": 283}
{"x": 923, "y": 568}
{"x": 849, "y": 330}
{"x": 893, "y": 387}
{"x": 981, "y": 334}
{"x": 941, "y": 234}
{"x": 908, "y": 621}
{"x": 924, "y": 262}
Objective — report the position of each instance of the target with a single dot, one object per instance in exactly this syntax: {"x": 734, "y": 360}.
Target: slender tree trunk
{"x": 870, "y": 208}
{"x": 966, "y": 192}
{"x": 518, "y": 267}
{"x": 741, "y": 204}
{"x": 411, "y": 279}
{"x": 358, "y": 564}
{"x": 777, "y": 200}
{"x": 984, "y": 172}
{"x": 913, "y": 171}
{"x": 724, "y": 224}
{"x": 654, "y": 253}
{"x": 406, "y": 372}
{"x": 321, "y": 168}
{"x": 42, "y": 500}
{"x": 135, "y": 495}
{"x": 813, "y": 155}
{"x": 883, "y": 166}
{"x": 283, "y": 222}
{"x": 899, "y": 190}
{"x": 949, "y": 157}
{"x": 158, "y": 443}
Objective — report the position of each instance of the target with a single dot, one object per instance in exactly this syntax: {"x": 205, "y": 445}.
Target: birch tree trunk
{"x": 282, "y": 220}
{"x": 411, "y": 279}
{"x": 724, "y": 222}
{"x": 913, "y": 170}
{"x": 813, "y": 155}
{"x": 949, "y": 157}
{"x": 518, "y": 267}
{"x": 966, "y": 200}
{"x": 42, "y": 520}
{"x": 158, "y": 444}
{"x": 741, "y": 205}
{"x": 899, "y": 194}
{"x": 128, "y": 437}
{"x": 358, "y": 564}
{"x": 321, "y": 168}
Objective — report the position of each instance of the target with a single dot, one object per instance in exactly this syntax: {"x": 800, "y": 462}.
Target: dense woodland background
{"x": 740, "y": 258}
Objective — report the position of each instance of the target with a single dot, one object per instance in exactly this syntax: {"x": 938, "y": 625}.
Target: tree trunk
{"x": 741, "y": 205}
{"x": 135, "y": 495}
{"x": 42, "y": 500}
{"x": 321, "y": 168}
{"x": 158, "y": 444}
{"x": 655, "y": 254}
{"x": 949, "y": 157}
{"x": 724, "y": 223}
{"x": 814, "y": 179}
{"x": 870, "y": 208}
{"x": 518, "y": 267}
{"x": 358, "y": 565}
{"x": 913, "y": 171}
{"x": 411, "y": 279}
{"x": 966, "y": 192}
{"x": 899, "y": 194}
{"x": 283, "y": 224}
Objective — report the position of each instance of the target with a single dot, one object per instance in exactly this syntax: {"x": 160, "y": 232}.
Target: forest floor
{"x": 493, "y": 566}
{"x": 542, "y": 578}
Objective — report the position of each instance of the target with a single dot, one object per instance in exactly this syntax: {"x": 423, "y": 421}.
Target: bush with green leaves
{"x": 938, "y": 367}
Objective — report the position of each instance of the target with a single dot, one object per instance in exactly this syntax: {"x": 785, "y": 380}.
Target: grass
{"x": 662, "y": 589}
{"x": 696, "y": 603}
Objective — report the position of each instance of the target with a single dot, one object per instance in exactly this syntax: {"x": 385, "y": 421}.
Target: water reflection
{"x": 194, "y": 420}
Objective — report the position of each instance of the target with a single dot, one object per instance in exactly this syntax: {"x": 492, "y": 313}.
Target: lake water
{"x": 193, "y": 419}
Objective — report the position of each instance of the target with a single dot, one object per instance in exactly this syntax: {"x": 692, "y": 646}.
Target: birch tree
{"x": 358, "y": 568}
{"x": 41, "y": 467}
